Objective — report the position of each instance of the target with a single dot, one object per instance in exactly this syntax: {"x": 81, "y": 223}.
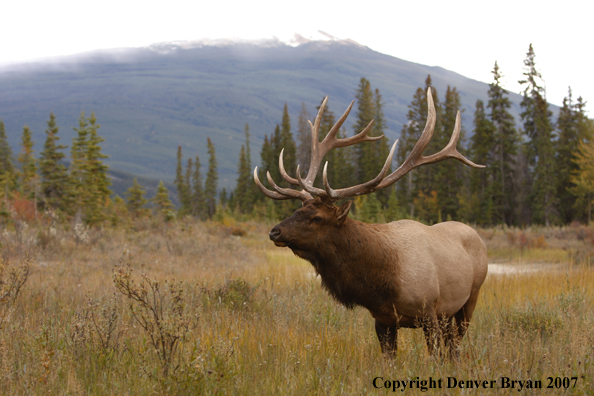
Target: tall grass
{"x": 263, "y": 324}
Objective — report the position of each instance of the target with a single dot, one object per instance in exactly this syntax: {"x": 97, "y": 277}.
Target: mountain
{"x": 151, "y": 100}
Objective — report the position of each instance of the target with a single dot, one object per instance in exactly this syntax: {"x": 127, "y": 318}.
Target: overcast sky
{"x": 465, "y": 36}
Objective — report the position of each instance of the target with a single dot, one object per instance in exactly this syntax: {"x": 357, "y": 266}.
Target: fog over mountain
{"x": 151, "y": 100}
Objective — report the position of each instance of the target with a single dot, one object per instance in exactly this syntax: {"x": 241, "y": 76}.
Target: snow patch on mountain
{"x": 294, "y": 40}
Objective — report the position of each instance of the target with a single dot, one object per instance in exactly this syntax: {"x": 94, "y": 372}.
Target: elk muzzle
{"x": 274, "y": 235}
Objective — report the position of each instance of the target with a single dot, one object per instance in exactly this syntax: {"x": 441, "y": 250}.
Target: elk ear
{"x": 343, "y": 212}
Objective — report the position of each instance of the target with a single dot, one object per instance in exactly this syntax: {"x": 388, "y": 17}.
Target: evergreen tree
{"x": 7, "y": 173}
{"x": 244, "y": 182}
{"x": 28, "y": 172}
{"x": 197, "y": 201}
{"x": 223, "y": 198}
{"x": 54, "y": 176}
{"x": 78, "y": 167}
{"x": 481, "y": 183}
{"x": 572, "y": 126}
{"x": 212, "y": 177}
{"x": 340, "y": 166}
{"x": 181, "y": 184}
{"x": 371, "y": 156}
{"x": 582, "y": 178}
{"x": 188, "y": 185}
{"x": 135, "y": 199}
{"x": 287, "y": 143}
{"x": 270, "y": 154}
{"x": 89, "y": 184}
{"x": 536, "y": 118}
{"x": 504, "y": 149}
{"x": 449, "y": 175}
{"x": 163, "y": 205}
{"x": 422, "y": 181}
{"x": 252, "y": 193}
{"x": 411, "y": 132}
{"x": 96, "y": 181}
{"x": 303, "y": 139}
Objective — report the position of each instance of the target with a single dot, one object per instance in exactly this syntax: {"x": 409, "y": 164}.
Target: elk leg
{"x": 449, "y": 333}
{"x": 462, "y": 320}
{"x": 432, "y": 332}
{"x": 388, "y": 338}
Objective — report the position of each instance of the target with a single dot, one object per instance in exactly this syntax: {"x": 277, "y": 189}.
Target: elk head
{"x": 307, "y": 227}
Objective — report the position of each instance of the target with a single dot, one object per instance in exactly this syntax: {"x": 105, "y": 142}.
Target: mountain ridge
{"x": 148, "y": 103}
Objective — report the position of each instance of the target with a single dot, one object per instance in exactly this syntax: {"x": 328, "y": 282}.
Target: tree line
{"x": 540, "y": 172}
{"x": 79, "y": 187}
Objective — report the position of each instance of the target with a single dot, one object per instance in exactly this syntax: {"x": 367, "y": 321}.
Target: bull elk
{"x": 405, "y": 273}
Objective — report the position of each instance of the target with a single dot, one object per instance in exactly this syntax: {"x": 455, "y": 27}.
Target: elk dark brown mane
{"x": 405, "y": 273}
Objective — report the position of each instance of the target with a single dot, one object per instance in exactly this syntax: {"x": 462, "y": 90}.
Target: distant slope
{"x": 148, "y": 102}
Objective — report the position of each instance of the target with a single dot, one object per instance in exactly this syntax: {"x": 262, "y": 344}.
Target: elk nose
{"x": 274, "y": 233}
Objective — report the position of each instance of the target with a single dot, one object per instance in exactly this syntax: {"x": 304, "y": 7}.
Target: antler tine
{"x": 332, "y": 133}
{"x": 319, "y": 150}
{"x": 331, "y": 193}
{"x": 416, "y": 158}
{"x": 283, "y": 173}
{"x": 316, "y": 158}
{"x": 360, "y": 189}
{"x": 309, "y": 188}
{"x": 267, "y": 192}
{"x": 302, "y": 195}
{"x": 450, "y": 150}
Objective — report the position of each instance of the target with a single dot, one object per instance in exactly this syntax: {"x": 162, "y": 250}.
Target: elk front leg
{"x": 388, "y": 338}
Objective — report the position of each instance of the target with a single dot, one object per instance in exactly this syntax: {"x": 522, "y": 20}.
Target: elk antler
{"x": 319, "y": 150}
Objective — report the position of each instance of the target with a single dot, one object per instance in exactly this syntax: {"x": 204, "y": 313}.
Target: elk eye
{"x": 316, "y": 219}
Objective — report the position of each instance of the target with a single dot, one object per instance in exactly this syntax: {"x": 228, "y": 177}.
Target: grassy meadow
{"x": 212, "y": 308}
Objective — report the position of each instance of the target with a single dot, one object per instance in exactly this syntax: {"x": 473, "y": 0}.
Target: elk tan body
{"x": 405, "y": 273}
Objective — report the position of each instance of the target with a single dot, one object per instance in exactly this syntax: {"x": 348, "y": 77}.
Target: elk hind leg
{"x": 432, "y": 330}
{"x": 449, "y": 332}
{"x": 388, "y": 338}
{"x": 461, "y": 322}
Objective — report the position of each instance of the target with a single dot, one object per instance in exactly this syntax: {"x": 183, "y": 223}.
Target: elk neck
{"x": 357, "y": 264}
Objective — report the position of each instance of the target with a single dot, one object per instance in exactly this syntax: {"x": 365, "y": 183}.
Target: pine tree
{"x": 449, "y": 175}
{"x": 54, "y": 176}
{"x": 135, "y": 199}
{"x": 411, "y": 132}
{"x": 340, "y": 166}
{"x": 287, "y": 143}
{"x": 28, "y": 172}
{"x": 212, "y": 177}
{"x": 197, "y": 201}
{"x": 303, "y": 139}
{"x": 181, "y": 184}
{"x": 252, "y": 193}
{"x": 573, "y": 127}
{"x": 504, "y": 150}
{"x": 96, "y": 181}
{"x": 223, "y": 198}
{"x": 365, "y": 153}
{"x": 78, "y": 152}
{"x": 244, "y": 183}
{"x": 188, "y": 185}
{"x": 481, "y": 184}
{"x": 536, "y": 118}
{"x": 163, "y": 205}
{"x": 420, "y": 182}
{"x": 7, "y": 172}
{"x": 582, "y": 178}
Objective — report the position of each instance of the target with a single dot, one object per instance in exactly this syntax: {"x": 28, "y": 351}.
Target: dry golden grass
{"x": 265, "y": 326}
